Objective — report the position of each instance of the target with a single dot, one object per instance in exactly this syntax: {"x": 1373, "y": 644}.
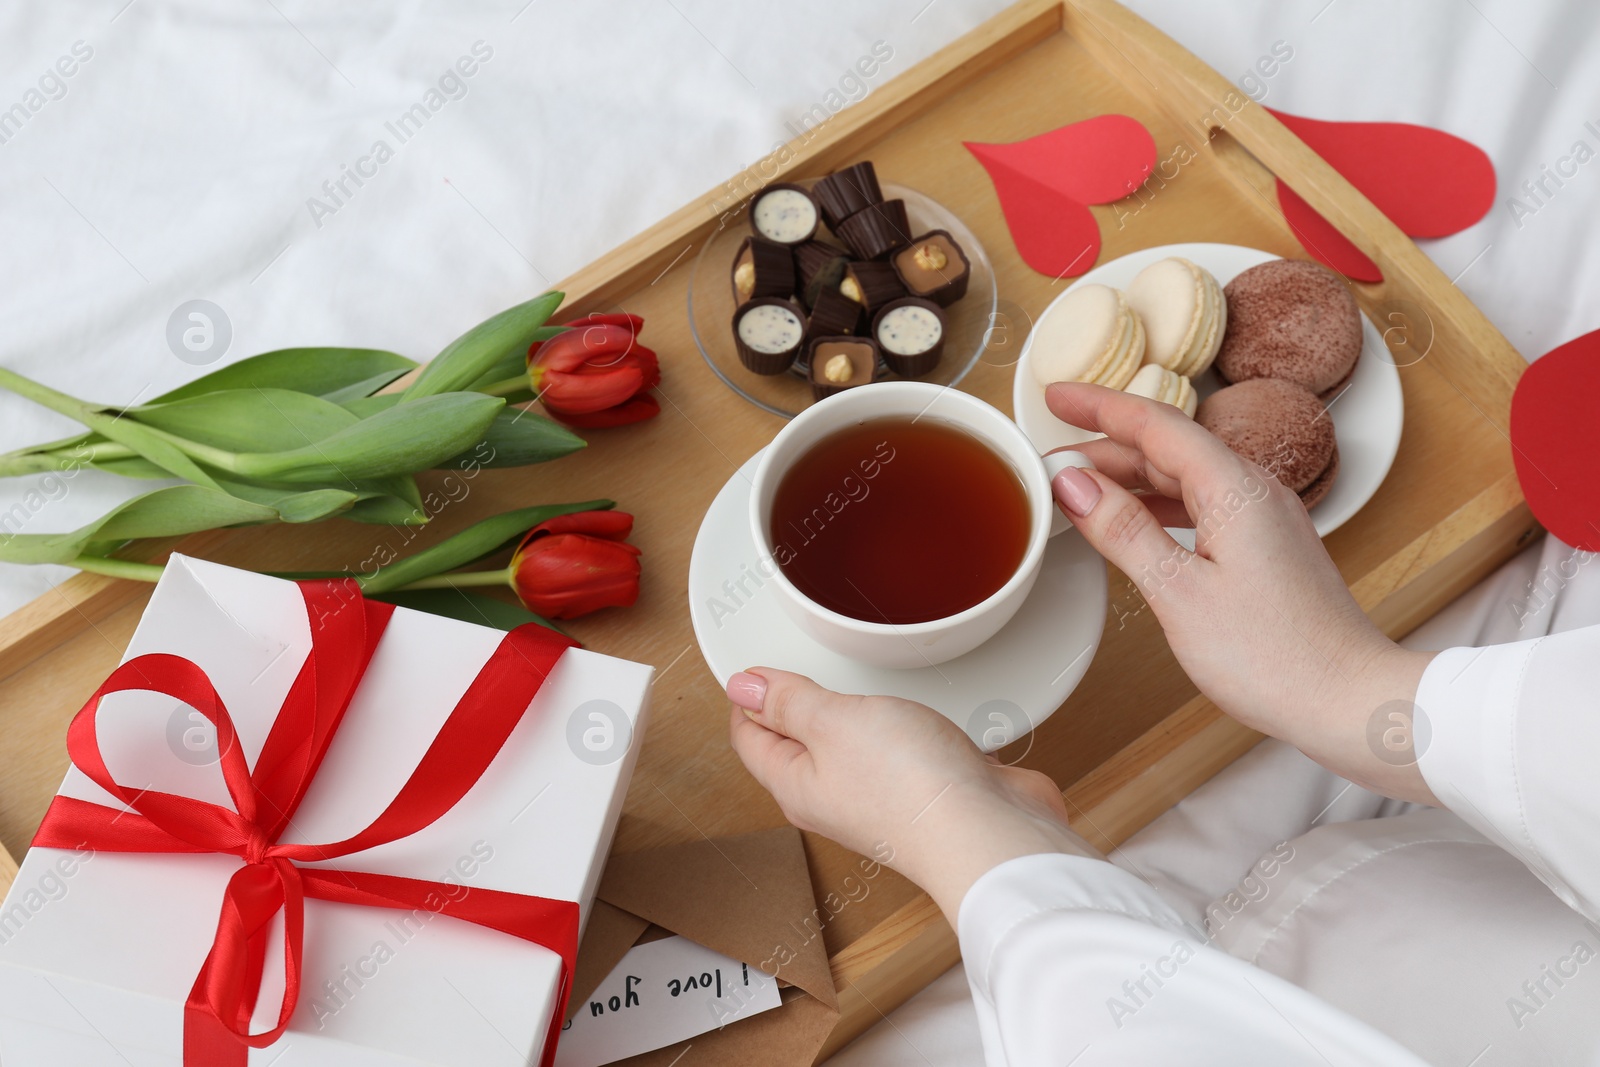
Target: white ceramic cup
{"x": 920, "y": 644}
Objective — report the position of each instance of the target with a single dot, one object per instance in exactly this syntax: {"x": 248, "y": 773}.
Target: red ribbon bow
{"x": 345, "y": 630}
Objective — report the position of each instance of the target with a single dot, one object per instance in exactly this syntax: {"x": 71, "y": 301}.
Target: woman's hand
{"x": 895, "y": 779}
{"x": 1257, "y": 615}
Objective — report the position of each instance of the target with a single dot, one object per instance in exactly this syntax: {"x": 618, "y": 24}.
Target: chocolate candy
{"x": 839, "y": 363}
{"x": 785, "y": 213}
{"x": 871, "y": 283}
{"x": 834, "y": 314}
{"x": 845, "y": 192}
{"x": 762, "y": 268}
{"x": 768, "y": 331}
{"x": 817, "y": 265}
{"x": 876, "y": 230}
{"x": 910, "y": 333}
{"x": 933, "y": 266}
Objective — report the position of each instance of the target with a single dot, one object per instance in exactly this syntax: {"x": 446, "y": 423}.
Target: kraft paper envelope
{"x": 748, "y": 897}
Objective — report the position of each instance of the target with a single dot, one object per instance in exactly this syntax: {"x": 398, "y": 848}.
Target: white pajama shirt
{"x": 1455, "y": 936}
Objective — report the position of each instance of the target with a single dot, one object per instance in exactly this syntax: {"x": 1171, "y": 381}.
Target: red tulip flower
{"x": 596, "y": 374}
{"x": 574, "y": 564}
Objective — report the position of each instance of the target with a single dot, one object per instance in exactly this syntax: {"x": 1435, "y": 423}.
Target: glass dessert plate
{"x": 967, "y": 321}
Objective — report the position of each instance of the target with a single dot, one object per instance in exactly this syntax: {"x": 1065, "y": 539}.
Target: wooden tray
{"x": 1135, "y": 737}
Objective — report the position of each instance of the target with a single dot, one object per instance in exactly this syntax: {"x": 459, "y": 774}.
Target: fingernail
{"x": 1076, "y": 491}
{"x": 747, "y": 690}
{"x": 752, "y": 716}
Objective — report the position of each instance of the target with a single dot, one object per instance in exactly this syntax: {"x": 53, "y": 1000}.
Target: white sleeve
{"x": 1076, "y": 961}
{"x": 1511, "y": 746}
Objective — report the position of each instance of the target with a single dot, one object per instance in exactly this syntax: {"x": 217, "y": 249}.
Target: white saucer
{"x": 1367, "y": 416}
{"x": 997, "y": 692}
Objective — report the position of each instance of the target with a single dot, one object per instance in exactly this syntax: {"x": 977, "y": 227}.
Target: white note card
{"x": 661, "y": 993}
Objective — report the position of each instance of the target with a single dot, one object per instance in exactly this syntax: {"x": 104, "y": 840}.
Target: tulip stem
{"x": 459, "y": 580}
{"x": 74, "y": 458}
{"x": 119, "y": 568}
{"x": 151, "y": 572}
{"x": 506, "y": 387}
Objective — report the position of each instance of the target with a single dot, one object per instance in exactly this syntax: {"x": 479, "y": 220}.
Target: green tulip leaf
{"x": 488, "y": 344}
{"x": 385, "y": 511}
{"x": 178, "y": 509}
{"x": 403, "y": 439}
{"x": 294, "y": 505}
{"x": 63, "y": 445}
{"x": 515, "y": 363}
{"x": 392, "y": 501}
{"x": 148, "y": 443}
{"x": 110, "y": 425}
{"x": 364, "y": 407}
{"x": 316, "y": 368}
{"x": 318, "y": 371}
{"x": 517, "y": 438}
{"x": 472, "y": 544}
{"x": 248, "y": 420}
{"x": 132, "y": 467}
{"x": 366, "y": 387}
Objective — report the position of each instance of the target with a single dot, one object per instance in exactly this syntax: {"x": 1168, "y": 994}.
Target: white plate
{"x": 997, "y": 692}
{"x": 1367, "y": 416}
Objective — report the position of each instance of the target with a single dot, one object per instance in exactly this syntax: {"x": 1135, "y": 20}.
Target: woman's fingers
{"x": 1171, "y": 443}
{"x": 1168, "y": 512}
{"x": 789, "y": 704}
{"x": 1119, "y": 525}
{"x": 769, "y": 757}
{"x": 1126, "y": 466}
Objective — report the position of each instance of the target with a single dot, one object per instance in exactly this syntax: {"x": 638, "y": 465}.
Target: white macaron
{"x": 1169, "y": 387}
{"x": 1089, "y": 335}
{"x": 1184, "y": 314}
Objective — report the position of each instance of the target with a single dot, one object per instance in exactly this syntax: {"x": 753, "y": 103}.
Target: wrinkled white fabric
{"x": 186, "y": 158}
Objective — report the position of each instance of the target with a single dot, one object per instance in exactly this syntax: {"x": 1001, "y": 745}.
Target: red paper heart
{"x": 1327, "y": 245}
{"x": 1555, "y": 439}
{"x": 1429, "y": 182}
{"x": 1045, "y": 182}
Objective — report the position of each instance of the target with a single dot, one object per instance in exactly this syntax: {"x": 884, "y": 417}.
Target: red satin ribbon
{"x": 345, "y": 629}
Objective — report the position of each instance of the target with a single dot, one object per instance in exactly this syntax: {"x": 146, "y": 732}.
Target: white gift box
{"x": 99, "y": 950}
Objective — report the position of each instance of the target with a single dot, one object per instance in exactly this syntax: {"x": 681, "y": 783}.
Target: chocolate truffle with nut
{"x": 934, "y": 266}
{"x": 839, "y": 363}
{"x": 871, "y": 284}
{"x": 762, "y": 268}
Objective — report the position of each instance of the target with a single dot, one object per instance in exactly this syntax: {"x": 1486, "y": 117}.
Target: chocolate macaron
{"x": 1279, "y": 426}
{"x": 1291, "y": 319}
